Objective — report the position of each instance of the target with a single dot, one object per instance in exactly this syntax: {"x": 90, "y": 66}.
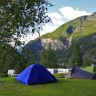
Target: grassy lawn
{"x": 65, "y": 87}
{"x": 89, "y": 69}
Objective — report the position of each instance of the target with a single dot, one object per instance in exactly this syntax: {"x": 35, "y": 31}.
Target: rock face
{"x": 56, "y": 44}
{"x": 92, "y": 17}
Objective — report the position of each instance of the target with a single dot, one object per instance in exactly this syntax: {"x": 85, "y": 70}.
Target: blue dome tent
{"x": 34, "y": 74}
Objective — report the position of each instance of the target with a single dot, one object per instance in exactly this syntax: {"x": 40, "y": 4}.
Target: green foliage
{"x": 7, "y": 55}
{"x": 18, "y": 16}
{"x": 3, "y": 75}
{"x": 21, "y": 64}
{"x": 48, "y": 57}
{"x": 76, "y": 58}
{"x": 9, "y": 58}
{"x": 94, "y": 69}
{"x": 29, "y": 56}
{"x": 83, "y": 30}
{"x": 64, "y": 87}
{"x": 86, "y": 62}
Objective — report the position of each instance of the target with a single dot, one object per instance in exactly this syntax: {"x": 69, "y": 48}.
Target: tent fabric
{"x": 81, "y": 74}
{"x": 35, "y": 73}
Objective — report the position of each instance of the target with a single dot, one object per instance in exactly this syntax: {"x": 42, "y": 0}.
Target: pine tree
{"x": 86, "y": 62}
{"x": 21, "y": 64}
{"x": 48, "y": 57}
{"x": 76, "y": 58}
{"x": 29, "y": 55}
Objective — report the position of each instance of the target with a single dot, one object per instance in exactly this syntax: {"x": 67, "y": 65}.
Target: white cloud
{"x": 70, "y": 13}
{"x": 56, "y": 17}
{"x": 57, "y": 20}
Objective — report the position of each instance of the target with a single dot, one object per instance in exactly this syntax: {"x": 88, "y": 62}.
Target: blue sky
{"x": 64, "y": 11}
{"x": 87, "y": 5}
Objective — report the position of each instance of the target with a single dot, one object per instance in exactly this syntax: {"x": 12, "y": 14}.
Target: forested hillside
{"x": 82, "y": 30}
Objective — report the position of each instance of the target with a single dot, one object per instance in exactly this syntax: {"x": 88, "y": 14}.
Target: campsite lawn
{"x": 64, "y": 87}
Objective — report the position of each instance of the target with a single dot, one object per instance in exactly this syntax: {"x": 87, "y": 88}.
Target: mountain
{"x": 81, "y": 30}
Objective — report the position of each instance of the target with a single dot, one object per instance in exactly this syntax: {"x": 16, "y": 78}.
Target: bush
{"x": 3, "y": 75}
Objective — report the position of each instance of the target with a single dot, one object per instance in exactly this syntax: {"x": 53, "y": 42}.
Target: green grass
{"x": 89, "y": 69}
{"x": 60, "y": 75}
{"x": 65, "y": 87}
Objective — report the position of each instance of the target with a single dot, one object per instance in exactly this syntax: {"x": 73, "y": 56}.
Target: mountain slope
{"x": 81, "y": 30}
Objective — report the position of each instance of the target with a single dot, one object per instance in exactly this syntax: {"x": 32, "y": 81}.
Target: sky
{"x": 64, "y": 11}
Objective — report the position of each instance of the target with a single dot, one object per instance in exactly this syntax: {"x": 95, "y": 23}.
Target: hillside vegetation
{"x": 81, "y": 30}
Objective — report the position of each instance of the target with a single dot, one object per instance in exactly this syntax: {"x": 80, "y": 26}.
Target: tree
{"x": 21, "y": 64}
{"x": 27, "y": 53}
{"x": 9, "y": 58}
{"x": 7, "y": 55}
{"x": 48, "y": 57}
{"x": 2, "y": 58}
{"x": 18, "y": 17}
{"x": 86, "y": 62}
{"x": 76, "y": 58}
{"x": 9, "y": 63}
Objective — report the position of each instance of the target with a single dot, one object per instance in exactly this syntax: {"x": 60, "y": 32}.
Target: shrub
{"x": 3, "y": 75}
